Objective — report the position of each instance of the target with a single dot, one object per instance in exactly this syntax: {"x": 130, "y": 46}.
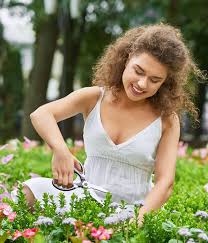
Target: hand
{"x": 139, "y": 221}
{"x": 63, "y": 163}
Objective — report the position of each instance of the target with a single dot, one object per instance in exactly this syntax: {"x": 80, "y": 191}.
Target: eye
{"x": 138, "y": 72}
{"x": 153, "y": 81}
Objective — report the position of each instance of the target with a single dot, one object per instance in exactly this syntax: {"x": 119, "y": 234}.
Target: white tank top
{"x": 125, "y": 169}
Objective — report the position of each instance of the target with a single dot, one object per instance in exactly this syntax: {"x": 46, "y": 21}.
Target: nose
{"x": 142, "y": 82}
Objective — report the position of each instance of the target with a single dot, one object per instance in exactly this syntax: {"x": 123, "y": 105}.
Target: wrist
{"x": 60, "y": 148}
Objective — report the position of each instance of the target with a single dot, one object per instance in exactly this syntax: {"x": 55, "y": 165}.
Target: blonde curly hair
{"x": 167, "y": 45}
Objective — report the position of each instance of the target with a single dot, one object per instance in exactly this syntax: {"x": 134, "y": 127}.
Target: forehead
{"x": 149, "y": 64}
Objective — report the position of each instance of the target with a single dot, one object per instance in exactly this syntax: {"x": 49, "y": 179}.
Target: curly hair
{"x": 167, "y": 45}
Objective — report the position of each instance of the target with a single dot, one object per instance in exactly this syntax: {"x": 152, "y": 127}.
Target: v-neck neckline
{"x": 129, "y": 140}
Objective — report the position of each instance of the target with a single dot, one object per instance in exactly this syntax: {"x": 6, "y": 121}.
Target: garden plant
{"x": 183, "y": 218}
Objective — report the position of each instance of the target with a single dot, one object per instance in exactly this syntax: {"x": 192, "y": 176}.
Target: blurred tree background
{"x": 72, "y": 35}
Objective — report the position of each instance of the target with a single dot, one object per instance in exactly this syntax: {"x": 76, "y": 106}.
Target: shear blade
{"x": 98, "y": 188}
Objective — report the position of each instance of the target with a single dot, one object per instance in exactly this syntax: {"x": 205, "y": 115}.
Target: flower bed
{"x": 184, "y": 218}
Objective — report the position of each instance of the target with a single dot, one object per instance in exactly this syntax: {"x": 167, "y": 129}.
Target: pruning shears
{"x": 82, "y": 183}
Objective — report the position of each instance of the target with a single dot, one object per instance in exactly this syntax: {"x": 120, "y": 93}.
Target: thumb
{"x": 77, "y": 164}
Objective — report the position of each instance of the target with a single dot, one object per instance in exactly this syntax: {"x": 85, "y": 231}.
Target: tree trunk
{"x": 72, "y": 35}
{"x": 172, "y": 14}
{"x": 40, "y": 74}
{"x": 200, "y": 105}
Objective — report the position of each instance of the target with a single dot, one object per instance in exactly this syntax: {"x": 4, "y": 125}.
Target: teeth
{"x": 138, "y": 91}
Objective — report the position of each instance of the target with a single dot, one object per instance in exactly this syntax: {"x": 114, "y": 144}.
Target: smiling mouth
{"x": 136, "y": 91}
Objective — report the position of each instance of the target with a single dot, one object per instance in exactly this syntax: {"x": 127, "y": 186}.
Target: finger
{"x": 70, "y": 178}
{"x": 55, "y": 176}
{"x": 65, "y": 180}
{"x": 60, "y": 179}
{"x": 77, "y": 164}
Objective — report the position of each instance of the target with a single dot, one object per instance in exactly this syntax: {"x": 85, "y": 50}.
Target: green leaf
{"x": 168, "y": 226}
{"x": 39, "y": 238}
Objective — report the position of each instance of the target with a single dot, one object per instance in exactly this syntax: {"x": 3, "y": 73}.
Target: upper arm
{"x": 167, "y": 151}
{"x": 76, "y": 102}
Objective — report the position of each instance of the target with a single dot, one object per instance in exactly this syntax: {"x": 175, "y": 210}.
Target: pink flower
{"x": 27, "y": 140}
{"x": 4, "y": 195}
{"x": 7, "y": 158}
{"x": 5, "y": 209}
{"x": 203, "y": 153}
{"x": 101, "y": 233}
{"x": 182, "y": 149}
{"x": 28, "y": 144}
{"x": 16, "y": 235}
{"x": 95, "y": 232}
{"x": 79, "y": 143}
{"x": 86, "y": 241}
{"x": 12, "y": 216}
{"x": 28, "y": 233}
{"x": 106, "y": 234}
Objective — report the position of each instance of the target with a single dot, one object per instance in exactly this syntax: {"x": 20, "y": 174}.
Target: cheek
{"x": 128, "y": 75}
{"x": 156, "y": 89}
{"x": 124, "y": 76}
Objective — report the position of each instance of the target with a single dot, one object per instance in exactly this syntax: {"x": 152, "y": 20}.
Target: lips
{"x": 136, "y": 91}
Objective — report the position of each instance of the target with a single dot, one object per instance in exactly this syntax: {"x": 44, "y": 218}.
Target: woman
{"x": 132, "y": 119}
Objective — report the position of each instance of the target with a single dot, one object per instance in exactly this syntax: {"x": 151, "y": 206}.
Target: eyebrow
{"x": 144, "y": 72}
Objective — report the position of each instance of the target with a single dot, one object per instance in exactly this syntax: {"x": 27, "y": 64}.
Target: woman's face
{"x": 143, "y": 76}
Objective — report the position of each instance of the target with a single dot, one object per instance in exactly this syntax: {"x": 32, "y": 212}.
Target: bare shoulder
{"x": 92, "y": 95}
{"x": 89, "y": 94}
{"x": 171, "y": 123}
{"x": 79, "y": 101}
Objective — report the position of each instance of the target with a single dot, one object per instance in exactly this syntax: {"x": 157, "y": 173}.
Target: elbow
{"x": 32, "y": 115}
{"x": 35, "y": 113}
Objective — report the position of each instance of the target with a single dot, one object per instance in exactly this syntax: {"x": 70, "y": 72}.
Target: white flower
{"x": 119, "y": 217}
{"x": 184, "y": 232}
{"x": 125, "y": 214}
{"x": 203, "y": 236}
{"x": 114, "y": 205}
{"x": 202, "y": 214}
{"x": 206, "y": 187}
{"x": 113, "y": 219}
{"x": 69, "y": 221}
{"x": 195, "y": 230}
{"x": 43, "y": 220}
{"x": 101, "y": 215}
{"x": 129, "y": 208}
{"x": 139, "y": 203}
{"x": 191, "y": 240}
{"x": 118, "y": 210}
{"x": 61, "y": 211}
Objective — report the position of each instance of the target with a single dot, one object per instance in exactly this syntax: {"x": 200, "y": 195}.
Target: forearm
{"x": 46, "y": 126}
{"x": 155, "y": 198}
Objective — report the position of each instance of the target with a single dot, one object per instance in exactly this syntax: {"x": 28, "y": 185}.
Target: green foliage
{"x": 11, "y": 92}
{"x": 163, "y": 225}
